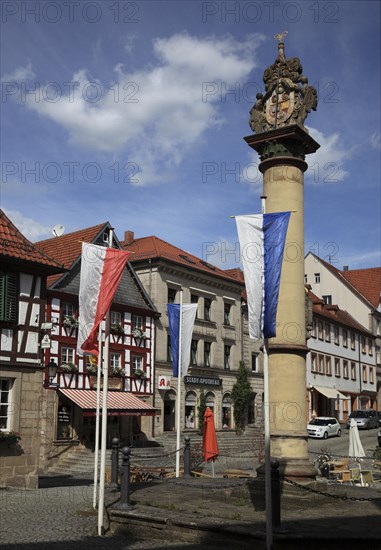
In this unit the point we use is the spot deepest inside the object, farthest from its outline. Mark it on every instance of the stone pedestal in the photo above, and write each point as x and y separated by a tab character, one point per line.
282	153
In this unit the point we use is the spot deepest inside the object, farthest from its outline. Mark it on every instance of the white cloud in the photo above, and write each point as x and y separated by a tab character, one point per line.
326	166
20	74
375	140
157	113
31	229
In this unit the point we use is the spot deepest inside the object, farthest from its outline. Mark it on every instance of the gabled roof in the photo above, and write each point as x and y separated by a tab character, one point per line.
334	314
153	247
68	248
15	247
366	283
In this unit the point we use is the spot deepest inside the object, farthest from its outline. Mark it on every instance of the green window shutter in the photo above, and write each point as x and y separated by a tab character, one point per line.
8	297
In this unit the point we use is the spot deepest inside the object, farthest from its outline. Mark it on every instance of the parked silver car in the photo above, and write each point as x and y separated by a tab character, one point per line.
323	427
364	419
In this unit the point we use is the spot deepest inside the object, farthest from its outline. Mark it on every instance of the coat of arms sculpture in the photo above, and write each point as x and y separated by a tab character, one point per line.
288	98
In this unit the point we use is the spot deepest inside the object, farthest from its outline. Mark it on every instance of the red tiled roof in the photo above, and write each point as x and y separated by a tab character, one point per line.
335	314
364	282
152	247
67	248
367	282
14	245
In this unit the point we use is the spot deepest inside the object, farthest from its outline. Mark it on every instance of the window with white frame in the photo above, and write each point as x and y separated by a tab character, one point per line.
317	277
370	347
137	322
68	309
345	369
327	332
137	362
336	335
363	344
337	367
328	367
313	362
115	317
207	352
321	364
5	403
353	340
67	355
345	338
353	370
320	330
371	375
227	351
327	299
254	365
364	374
115	360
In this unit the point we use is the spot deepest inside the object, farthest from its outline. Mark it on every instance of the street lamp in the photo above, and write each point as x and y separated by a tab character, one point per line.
52	368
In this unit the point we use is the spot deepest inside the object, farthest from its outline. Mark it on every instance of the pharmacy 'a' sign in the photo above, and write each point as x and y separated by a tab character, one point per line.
164	382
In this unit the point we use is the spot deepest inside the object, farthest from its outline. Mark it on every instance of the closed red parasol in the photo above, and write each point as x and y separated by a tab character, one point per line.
209	443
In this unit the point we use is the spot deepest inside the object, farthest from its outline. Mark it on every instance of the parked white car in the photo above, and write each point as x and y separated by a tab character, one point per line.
323	427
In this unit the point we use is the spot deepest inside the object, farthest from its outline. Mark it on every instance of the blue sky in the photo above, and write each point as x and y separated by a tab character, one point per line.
121	112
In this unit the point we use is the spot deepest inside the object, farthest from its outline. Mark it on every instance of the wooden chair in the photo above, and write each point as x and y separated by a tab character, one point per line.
345	477
367	477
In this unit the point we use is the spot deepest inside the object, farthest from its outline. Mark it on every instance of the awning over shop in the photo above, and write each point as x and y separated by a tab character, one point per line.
331	393
118	403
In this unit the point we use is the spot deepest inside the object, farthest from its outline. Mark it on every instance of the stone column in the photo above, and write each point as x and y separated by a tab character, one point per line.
282	153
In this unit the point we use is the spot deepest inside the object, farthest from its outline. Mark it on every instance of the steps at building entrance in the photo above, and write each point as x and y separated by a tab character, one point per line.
240	451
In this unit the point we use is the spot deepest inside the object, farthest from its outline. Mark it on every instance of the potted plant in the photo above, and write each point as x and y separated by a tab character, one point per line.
70	322
117	328
139	373
92	369
9	438
116	371
138	335
69	367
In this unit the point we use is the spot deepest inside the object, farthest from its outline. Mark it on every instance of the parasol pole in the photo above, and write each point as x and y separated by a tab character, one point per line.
269	531
179	373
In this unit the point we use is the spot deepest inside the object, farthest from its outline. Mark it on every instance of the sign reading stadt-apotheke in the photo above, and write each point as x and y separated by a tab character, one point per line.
201	381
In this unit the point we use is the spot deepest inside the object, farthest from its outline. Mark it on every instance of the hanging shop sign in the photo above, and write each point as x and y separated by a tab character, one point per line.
164	382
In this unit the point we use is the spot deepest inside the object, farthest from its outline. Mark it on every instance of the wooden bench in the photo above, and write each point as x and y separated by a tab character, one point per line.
235	473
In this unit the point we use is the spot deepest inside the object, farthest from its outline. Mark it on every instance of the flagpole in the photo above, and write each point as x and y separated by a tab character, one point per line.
102	475
179	373
97	415
269	530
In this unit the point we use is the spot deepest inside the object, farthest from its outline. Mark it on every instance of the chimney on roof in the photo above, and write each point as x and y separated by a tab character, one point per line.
129	237
345	267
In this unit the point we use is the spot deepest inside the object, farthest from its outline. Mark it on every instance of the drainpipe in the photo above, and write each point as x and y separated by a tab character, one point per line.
360	377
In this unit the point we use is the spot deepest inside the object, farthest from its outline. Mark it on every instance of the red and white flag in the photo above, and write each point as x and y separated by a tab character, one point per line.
101	271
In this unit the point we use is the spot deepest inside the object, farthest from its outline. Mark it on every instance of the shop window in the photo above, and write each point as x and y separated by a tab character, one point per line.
8	297
5	403
190	410
64	420
209	400
226	411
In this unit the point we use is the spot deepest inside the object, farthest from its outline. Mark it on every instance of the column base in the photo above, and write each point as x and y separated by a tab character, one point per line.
293	468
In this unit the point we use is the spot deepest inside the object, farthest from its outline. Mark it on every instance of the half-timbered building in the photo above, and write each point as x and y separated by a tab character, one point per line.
131	347
23	273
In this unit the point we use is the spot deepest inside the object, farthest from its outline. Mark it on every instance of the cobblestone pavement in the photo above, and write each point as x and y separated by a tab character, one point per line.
61	518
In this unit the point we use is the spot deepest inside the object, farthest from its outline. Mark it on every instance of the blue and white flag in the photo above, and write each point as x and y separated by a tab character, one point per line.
262	238
188	317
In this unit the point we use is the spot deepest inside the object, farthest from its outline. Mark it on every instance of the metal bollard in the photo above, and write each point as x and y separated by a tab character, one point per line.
187	465
275	493
114	463
124	502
